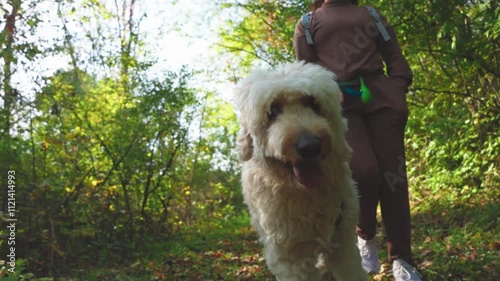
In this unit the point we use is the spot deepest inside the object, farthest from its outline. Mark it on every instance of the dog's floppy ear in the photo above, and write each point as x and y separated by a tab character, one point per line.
244	144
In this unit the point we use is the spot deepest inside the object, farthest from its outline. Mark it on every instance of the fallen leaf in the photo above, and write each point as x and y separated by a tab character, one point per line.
495	245
427	253
425	264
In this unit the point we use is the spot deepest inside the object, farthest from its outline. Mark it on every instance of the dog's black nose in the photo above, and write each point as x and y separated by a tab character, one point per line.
308	146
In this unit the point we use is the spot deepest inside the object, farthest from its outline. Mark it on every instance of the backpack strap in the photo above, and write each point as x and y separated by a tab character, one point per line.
378	22
305	20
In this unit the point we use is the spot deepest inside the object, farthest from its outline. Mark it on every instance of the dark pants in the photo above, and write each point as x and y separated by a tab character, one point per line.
376	135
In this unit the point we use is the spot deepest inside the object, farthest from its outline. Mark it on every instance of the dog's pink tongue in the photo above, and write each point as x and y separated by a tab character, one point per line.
309	175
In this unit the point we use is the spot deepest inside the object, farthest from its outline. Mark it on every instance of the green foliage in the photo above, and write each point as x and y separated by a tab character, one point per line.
90	145
264	33
107	160
452	133
107	165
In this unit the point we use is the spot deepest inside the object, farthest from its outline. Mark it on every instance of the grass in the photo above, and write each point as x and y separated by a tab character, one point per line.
228	252
459	240
453	240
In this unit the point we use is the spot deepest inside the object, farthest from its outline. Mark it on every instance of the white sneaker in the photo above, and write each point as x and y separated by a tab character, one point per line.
369	255
403	271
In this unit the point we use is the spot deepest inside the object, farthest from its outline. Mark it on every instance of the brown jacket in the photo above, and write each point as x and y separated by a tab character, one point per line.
347	42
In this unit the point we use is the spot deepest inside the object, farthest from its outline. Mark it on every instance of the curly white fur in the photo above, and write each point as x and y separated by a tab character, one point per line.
296	224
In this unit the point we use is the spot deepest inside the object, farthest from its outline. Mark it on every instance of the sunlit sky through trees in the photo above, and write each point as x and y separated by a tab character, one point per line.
175	35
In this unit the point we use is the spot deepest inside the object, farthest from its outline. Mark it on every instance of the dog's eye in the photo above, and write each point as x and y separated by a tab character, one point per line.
316	107
274	112
311	102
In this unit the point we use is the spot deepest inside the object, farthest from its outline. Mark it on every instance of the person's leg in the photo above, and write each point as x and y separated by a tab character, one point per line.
387	118
387	133
365	172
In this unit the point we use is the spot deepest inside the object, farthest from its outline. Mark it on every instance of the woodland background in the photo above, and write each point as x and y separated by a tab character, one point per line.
125	167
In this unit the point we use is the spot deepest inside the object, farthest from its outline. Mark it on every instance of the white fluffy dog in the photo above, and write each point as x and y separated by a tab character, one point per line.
296	178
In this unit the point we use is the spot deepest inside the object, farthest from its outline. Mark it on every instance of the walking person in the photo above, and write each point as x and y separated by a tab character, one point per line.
357	43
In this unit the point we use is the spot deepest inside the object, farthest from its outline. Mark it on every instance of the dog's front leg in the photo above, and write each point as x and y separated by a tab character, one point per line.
287	271
286	268
347	264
